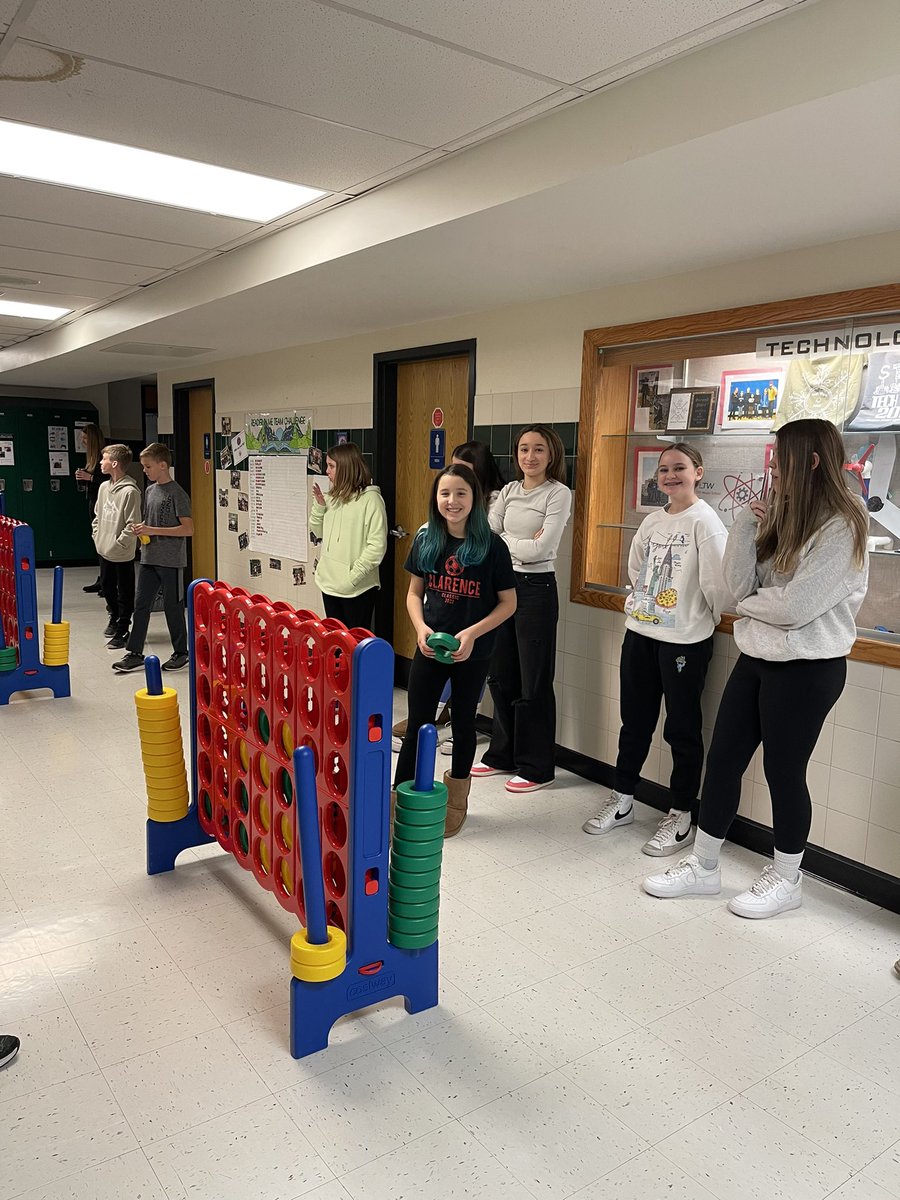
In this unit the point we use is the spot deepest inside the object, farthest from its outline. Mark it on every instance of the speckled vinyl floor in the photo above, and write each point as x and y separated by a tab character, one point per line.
591	1042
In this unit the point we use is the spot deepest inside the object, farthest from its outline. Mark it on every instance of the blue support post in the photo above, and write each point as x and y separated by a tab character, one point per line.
57	595
310	846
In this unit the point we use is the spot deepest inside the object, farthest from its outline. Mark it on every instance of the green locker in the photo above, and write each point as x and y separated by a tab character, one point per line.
39	483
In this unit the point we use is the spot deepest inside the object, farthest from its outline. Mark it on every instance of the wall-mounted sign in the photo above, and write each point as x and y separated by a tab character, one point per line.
830	341
437	449
437	418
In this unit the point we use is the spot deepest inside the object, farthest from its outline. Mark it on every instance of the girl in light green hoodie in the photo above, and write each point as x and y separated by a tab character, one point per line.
352	524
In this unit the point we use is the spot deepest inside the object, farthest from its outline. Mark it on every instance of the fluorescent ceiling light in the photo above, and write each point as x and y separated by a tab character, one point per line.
28	152
35	312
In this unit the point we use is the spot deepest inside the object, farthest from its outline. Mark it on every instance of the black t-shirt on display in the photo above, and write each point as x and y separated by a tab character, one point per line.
457	597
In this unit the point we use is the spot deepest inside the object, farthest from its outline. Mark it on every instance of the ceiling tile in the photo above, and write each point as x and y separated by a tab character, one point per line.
89	243
61	285
14	260
90	210
582	38
130	107
7	11
303	56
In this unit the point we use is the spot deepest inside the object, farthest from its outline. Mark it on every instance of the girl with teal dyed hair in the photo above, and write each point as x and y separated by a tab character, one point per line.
461	583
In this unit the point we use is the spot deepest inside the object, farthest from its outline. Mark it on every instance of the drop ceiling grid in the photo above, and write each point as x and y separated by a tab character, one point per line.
304	56
91	244
20	260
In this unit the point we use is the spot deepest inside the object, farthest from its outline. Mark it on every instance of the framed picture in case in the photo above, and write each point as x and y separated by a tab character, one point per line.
646	496
748	400
692	409
650	390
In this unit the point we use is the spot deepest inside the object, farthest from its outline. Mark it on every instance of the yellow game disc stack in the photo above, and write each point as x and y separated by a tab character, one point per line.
163	755
56	644
316	964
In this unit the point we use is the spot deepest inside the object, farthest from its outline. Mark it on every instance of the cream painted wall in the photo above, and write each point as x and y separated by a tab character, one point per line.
535	350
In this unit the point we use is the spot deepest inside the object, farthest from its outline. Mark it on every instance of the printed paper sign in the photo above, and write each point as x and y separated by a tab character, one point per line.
266	434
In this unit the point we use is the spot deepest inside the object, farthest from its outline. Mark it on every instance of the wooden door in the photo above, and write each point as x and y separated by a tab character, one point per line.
202	483
421	388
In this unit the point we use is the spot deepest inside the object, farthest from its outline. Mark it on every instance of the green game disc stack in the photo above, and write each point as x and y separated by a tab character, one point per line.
8	661
414	883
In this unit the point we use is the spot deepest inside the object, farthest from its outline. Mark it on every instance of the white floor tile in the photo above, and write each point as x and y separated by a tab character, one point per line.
109	964
216	931
651	1087
860	1188
255	1153
470	1061
639	984
27	989
560	1019
568	875
16	939
628	910
58	927
243	983
564	942
52	1051
840	1110
885	1171
129	1175
362	1110
716	954
492	965
167	1091
853	963
872	1047
740	1152
390	1022
649	1176
503	896
552	1136
448	1164
59	1131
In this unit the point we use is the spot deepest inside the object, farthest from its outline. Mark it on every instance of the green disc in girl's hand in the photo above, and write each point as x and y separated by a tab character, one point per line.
442	644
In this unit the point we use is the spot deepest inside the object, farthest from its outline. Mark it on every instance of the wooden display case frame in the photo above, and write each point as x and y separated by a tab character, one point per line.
609	355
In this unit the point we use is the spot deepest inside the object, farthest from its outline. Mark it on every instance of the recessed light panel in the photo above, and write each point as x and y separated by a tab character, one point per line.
45	155
34	312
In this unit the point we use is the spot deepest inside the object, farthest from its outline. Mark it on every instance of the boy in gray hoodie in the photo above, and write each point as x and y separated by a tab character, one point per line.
117	510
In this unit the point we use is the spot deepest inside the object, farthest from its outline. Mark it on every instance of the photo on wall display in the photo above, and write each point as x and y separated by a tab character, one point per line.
236	480
748	400
255	567
243	541
692	410
651	387
647	496
232	523
223	497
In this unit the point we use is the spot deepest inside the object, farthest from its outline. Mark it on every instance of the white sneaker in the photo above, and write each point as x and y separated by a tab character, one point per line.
686	878
609	817
396	745
675	833
447	746
770	895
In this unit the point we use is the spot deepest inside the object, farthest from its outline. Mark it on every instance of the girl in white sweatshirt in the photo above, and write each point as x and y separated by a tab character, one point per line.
798	568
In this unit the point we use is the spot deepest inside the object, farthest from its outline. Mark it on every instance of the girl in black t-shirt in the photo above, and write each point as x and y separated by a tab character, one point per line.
461	583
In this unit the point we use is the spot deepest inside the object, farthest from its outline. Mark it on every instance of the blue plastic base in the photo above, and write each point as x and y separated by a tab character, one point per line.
167	839
412	974
31	679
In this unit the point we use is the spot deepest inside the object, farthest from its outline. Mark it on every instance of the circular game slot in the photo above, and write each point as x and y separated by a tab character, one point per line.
335	825
337	668
204	731
204	770
262	771
220	701
243	797
263	728
333	916
261	682
284	832
286	739
238	626
336	777
335	878
285	877
222	784
201	609
202	647
284	695
338	723
220	741
242	714
283	647
261	855
239	669
206	805
244	755
259	636
219	618
204	691
308	741
285	787
220	662
309	709
310	659
243	841
224	823
263	814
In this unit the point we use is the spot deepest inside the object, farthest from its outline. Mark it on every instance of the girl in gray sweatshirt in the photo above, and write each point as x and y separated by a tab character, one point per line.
798	568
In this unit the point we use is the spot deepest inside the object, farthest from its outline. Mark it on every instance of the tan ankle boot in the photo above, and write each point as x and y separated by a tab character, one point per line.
399	730
457	804
393	808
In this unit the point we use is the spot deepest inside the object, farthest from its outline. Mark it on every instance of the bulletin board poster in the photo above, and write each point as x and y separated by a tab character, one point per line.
278	434
278	506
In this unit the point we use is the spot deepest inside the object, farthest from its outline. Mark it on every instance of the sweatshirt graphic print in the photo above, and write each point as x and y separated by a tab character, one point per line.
655	594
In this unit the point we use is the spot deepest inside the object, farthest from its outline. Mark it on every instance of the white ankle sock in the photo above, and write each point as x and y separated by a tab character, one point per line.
707	849
788	865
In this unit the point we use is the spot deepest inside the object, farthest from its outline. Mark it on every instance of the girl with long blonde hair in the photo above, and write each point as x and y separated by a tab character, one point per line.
90	473
798	568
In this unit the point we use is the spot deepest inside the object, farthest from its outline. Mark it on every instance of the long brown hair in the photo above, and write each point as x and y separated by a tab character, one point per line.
93	441
351	475
808	495
556	468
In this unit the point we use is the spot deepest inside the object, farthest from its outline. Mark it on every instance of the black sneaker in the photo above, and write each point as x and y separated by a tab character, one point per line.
131	662
92	587
119	642
110	630
176	662
9	1048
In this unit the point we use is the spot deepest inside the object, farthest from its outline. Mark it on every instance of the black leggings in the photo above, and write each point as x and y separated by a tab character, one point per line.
784	706
355	611
426	682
